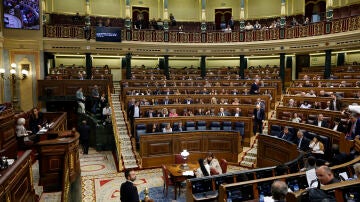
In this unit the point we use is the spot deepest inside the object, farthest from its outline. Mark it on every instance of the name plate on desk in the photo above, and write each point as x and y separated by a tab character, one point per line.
188	173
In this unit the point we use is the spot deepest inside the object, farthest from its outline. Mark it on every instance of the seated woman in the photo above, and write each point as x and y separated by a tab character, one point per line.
316	147
167	128
22	134
296	118
36	120
203	170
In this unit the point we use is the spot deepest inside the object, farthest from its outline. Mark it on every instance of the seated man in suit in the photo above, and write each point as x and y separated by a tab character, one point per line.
179	127
302	142
237	112
320	121
222	112
286	135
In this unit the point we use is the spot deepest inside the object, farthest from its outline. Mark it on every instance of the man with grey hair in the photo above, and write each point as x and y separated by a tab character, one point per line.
259	117
279	189
357	170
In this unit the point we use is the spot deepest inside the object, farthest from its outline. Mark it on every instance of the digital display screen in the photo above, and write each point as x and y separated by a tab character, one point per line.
21	14
241	193
200	186
108	34
265	188
223	180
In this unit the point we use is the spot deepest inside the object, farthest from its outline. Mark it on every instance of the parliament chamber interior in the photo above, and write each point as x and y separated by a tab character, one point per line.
205	100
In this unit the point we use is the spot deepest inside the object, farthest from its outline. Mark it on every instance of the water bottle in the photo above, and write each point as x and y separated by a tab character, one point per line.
296	186
351	198
261	199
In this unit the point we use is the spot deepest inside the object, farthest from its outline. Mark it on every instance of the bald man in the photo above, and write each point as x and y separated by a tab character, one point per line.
325	175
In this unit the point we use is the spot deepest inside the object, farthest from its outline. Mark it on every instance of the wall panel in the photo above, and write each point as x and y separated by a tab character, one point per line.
110	8
185	10
259	9
69	6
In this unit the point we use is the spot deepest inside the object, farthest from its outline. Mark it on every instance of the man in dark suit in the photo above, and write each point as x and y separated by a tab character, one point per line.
150	113
259	117
338	126
188	101
286	135
338	157
128	191
334	103
353	128
167	101
255	87
320	121
179	127
84	131
302	142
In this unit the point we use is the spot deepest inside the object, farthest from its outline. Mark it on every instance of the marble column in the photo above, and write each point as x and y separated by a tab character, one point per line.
203	16
127	15
283	13
329	10
242	14
166	16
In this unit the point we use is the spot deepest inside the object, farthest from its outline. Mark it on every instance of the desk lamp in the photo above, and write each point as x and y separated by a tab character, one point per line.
185	154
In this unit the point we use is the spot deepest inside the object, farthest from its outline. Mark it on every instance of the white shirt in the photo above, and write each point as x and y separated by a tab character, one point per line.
136	111
106	111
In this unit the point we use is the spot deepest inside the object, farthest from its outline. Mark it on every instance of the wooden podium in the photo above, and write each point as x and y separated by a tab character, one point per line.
57	156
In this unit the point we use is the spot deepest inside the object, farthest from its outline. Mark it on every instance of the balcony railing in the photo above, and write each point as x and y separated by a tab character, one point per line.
316	29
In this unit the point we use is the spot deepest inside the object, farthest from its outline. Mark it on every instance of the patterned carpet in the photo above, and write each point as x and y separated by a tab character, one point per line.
101	182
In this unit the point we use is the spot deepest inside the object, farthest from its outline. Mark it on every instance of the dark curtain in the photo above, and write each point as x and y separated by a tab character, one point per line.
128	65
340	59
48	56
288	62
222	16
242	66
166	66
88	61
302	61
203	66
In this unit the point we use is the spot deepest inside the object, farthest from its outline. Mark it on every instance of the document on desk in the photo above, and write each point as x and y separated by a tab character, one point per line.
188	173
311	178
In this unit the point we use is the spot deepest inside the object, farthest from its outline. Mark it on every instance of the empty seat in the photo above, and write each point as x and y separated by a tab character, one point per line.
140	130
223	165
227	126
215	125
190	125
240	127
201	125
275	130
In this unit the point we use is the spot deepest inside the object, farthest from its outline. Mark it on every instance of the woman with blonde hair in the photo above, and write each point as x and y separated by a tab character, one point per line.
316	146
213	100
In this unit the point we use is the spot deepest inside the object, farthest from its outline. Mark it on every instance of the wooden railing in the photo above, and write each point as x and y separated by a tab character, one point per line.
248	123
315	29
157	149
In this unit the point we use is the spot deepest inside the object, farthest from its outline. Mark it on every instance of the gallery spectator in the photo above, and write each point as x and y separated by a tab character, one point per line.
249	26
257	25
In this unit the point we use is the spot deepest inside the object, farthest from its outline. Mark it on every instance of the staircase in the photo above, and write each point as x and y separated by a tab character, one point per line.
248	159
125	147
